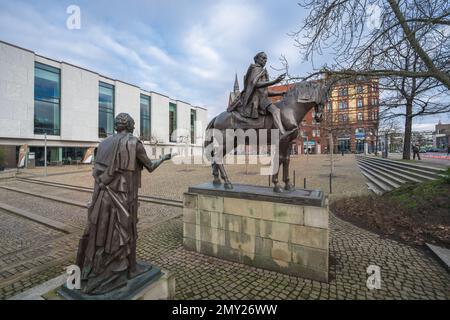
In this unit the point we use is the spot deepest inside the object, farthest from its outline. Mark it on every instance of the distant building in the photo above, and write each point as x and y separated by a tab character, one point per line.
351	115
424	139
75	109
442	135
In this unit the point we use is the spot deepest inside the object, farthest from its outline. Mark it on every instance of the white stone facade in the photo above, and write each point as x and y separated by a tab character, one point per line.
79	111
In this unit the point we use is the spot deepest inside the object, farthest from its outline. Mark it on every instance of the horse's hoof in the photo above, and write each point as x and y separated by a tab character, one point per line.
289	187
228	185
217	182
277	189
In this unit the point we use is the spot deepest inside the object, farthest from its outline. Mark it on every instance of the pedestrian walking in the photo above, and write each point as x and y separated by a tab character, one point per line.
415	149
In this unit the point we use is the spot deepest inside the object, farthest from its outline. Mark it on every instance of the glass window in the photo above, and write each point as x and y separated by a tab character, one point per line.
193	120
172	121
360	116
105	110
330	106
360	102
145	117
343	91
343	105
345	118
47	97
359	89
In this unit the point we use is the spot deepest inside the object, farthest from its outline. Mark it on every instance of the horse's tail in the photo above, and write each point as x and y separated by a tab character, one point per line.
209	126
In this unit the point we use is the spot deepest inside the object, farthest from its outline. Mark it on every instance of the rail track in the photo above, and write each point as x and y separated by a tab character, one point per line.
143	198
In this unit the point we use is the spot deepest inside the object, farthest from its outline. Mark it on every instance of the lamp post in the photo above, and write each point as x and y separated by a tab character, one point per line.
45	154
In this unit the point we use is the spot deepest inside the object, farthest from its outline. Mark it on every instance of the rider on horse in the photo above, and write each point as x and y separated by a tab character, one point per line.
254	99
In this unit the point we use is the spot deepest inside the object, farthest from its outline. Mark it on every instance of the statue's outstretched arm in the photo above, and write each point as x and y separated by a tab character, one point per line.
263	84
142	157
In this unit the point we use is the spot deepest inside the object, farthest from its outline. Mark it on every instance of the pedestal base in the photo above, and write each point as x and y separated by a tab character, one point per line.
132	287
287	232
160	287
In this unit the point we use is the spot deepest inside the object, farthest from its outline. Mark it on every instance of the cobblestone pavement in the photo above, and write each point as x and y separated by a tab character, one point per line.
406	272
18	234
32	253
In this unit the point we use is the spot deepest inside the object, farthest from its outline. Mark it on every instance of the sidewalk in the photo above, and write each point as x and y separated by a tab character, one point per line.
433	159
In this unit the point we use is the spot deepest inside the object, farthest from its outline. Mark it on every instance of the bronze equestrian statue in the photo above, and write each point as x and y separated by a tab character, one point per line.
107	249
248	112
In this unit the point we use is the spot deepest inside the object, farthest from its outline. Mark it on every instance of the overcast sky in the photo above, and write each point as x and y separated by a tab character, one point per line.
188	50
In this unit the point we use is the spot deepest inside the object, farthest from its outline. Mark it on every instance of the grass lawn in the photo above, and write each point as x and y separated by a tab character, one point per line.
414	213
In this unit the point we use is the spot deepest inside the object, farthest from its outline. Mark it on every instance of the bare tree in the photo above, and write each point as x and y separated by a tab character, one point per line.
360	34
410	97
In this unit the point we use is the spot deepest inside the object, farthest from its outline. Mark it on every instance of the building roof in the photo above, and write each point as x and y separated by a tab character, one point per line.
100	75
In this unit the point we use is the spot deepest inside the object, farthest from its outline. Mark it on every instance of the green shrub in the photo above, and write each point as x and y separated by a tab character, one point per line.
446	176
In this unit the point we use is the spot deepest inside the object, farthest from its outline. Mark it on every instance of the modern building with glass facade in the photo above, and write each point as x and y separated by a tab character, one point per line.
73	109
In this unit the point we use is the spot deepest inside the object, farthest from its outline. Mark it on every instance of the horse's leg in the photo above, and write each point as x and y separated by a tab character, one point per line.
276	186
287	184
223	173
285	159
215	172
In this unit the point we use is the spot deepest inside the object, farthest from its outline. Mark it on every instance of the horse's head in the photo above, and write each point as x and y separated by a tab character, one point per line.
312	93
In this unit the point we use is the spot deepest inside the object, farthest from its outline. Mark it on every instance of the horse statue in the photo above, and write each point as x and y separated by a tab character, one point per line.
295	104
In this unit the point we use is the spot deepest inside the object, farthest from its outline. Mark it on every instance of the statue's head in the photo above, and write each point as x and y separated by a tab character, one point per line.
123	122
260	58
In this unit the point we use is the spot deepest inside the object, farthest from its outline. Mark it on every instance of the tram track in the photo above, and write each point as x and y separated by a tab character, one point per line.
143	198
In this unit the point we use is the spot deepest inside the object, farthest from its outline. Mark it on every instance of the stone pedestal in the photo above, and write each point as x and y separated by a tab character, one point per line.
162	288
287	232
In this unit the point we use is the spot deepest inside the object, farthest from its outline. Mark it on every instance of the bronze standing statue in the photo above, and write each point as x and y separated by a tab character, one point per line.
107	249
248	111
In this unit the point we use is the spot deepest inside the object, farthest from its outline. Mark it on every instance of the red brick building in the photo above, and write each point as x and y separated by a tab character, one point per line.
350	116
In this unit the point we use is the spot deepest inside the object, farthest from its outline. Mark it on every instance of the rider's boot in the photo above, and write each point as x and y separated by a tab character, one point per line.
277	121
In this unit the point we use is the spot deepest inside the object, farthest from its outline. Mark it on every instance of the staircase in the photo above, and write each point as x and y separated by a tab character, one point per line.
384	175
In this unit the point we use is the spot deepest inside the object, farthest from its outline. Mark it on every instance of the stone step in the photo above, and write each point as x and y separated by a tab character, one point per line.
405	171
374	188
380	177
421	169
383	172
391	171
379	184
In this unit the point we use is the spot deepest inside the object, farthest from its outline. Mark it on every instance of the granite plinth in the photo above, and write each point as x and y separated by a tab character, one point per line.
127	292
286	232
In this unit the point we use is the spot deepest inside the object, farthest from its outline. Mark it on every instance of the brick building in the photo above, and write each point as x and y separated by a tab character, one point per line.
351	116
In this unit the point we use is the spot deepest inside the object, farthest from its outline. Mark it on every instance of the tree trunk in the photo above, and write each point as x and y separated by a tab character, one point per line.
408	132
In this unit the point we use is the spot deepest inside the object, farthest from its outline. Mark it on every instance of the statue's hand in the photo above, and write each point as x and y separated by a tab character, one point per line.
166	157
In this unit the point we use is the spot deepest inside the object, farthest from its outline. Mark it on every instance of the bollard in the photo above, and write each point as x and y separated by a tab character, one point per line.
304	183
269	180
331	189
294	178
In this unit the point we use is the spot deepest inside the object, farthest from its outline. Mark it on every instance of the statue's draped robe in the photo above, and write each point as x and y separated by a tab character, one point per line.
255	100
107	249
